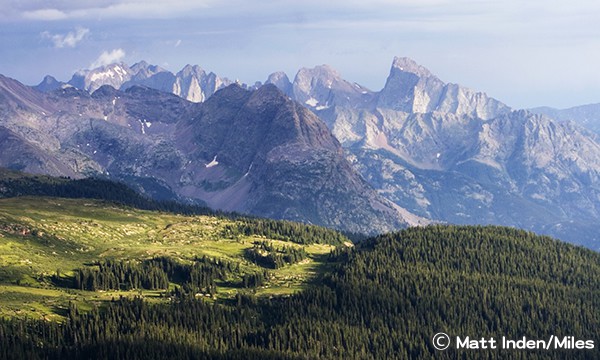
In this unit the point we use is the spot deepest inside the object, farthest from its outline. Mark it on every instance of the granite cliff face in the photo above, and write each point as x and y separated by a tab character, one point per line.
452	154
323	87
249	151
411	88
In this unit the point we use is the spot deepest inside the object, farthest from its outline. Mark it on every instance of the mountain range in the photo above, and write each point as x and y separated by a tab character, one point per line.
452	154
248	151
191	83
432	151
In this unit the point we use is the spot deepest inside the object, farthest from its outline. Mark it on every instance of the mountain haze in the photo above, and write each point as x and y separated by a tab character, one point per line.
587	116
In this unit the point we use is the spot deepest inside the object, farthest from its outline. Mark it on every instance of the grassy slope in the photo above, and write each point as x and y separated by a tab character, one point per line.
39	236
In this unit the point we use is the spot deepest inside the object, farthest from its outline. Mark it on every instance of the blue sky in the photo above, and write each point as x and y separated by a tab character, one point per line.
525	53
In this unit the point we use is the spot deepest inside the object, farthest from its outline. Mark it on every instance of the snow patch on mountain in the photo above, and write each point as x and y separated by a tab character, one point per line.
312	102
214	162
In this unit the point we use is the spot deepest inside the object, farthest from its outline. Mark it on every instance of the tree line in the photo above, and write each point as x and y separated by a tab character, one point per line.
286	230
267	255
158	273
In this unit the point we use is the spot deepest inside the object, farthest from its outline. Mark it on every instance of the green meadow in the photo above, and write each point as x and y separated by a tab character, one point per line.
44	240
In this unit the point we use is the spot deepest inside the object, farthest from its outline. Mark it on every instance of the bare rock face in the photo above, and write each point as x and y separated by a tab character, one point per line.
114	75
323	87
17	153
194	84
452	154
412	88
49	83
281	80
250	151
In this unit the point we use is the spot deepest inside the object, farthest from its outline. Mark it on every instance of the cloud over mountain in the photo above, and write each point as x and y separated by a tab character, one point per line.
70	39
109	57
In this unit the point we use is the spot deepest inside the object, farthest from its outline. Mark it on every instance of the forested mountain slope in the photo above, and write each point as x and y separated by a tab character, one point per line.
384	299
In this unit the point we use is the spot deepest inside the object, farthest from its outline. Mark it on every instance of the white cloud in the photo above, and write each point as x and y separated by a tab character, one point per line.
70	39
127	9
108	57
45	14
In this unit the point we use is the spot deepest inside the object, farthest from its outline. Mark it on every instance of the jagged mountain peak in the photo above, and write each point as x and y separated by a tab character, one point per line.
306	79
277	76
323	87
144	70
143	65
282	81
191	83
115	74
49	83
109	70
408	65
411	88
324	72
189	70
271	119
49	79
439	150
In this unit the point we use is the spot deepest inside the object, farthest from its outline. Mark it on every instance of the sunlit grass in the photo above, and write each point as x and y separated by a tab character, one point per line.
40	237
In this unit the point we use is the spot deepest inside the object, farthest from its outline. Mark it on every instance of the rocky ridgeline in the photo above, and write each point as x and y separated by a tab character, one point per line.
438	150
